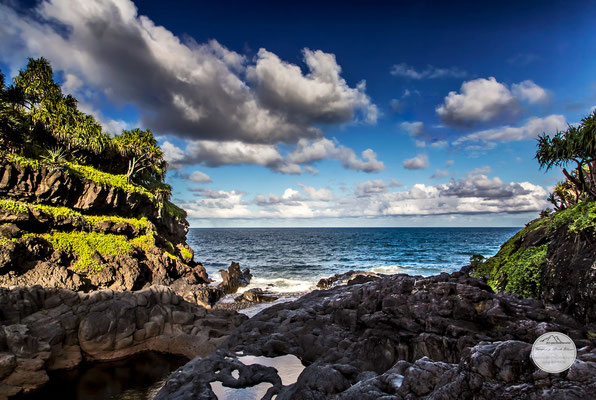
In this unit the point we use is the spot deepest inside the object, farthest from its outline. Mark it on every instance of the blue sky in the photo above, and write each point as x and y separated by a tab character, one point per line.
335	114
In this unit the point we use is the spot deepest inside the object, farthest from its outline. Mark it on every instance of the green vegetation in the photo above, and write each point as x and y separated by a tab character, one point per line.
16	207
104	178
575	146
39	123
517	267
184	252
89	248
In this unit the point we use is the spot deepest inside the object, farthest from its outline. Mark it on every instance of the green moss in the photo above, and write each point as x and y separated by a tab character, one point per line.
56	211
141	224
522	273
518	269
23	161
138	223
104	178
173	257
15	207
173	210
184	252
145	242
86	245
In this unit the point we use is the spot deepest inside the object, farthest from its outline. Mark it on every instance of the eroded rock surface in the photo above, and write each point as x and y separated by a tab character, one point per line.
49	329
401	337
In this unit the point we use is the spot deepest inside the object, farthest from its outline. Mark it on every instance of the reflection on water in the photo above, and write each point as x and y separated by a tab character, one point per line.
136	378
288	367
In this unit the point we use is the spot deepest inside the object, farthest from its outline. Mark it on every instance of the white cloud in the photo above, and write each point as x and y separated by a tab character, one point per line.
414	129
530	92
323	149
317	194
199	177
483	100
431	72
369	188
439	144
449	163
418	162
420	143
531	129
480	100
321	96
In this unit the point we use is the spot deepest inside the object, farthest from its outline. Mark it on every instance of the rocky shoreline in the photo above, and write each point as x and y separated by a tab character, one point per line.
399	337
51	329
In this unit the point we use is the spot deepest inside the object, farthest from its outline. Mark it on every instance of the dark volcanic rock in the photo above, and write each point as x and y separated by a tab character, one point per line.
255	295
234	278
573	288
405	337
350	277
49	329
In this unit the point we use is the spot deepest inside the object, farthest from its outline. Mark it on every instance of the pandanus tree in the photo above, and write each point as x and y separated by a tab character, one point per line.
145	158
15	125
57	114
574	147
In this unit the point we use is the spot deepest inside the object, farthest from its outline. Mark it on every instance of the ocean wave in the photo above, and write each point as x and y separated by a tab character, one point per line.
280	285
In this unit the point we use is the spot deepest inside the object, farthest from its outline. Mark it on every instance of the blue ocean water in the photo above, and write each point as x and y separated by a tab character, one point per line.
294	259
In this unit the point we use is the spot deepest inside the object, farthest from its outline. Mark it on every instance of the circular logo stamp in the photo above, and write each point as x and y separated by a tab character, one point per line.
553	352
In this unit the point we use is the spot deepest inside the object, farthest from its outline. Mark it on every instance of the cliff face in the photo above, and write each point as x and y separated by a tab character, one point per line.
76	227
552	258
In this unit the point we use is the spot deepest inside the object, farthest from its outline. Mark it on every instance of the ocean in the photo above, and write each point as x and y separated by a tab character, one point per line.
292	260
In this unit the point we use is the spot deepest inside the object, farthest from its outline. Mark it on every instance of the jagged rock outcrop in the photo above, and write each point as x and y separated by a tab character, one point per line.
401	337
234	278
552	258
61	186
62	226
48	329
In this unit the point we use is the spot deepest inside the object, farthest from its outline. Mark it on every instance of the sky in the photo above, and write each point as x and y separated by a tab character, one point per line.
404	113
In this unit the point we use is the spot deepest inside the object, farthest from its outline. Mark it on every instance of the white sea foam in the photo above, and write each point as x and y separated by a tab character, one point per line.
280	285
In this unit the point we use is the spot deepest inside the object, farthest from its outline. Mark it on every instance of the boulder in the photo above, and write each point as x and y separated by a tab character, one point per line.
234	278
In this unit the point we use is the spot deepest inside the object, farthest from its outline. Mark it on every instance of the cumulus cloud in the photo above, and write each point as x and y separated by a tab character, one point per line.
369	188
480	100
483	100
405	71
312	193
530	92
484	187
321	149
418	162
321	96
201	92
199	177
531	129
215	154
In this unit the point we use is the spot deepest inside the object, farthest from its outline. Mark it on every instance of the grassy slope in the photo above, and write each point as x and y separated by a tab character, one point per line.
518	266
